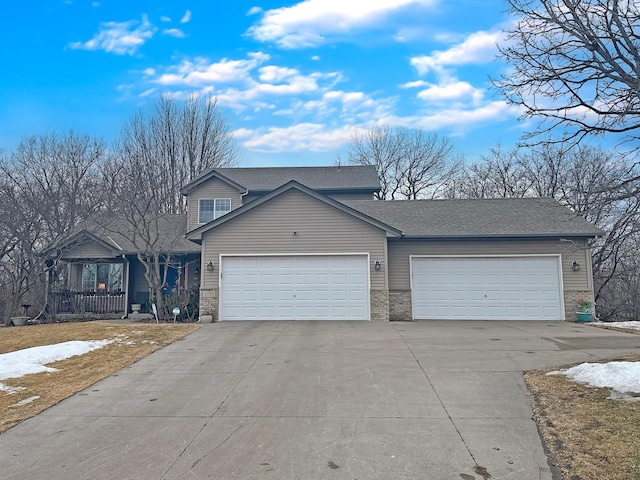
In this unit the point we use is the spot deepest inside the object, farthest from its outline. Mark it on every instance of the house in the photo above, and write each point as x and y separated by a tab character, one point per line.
98	271
311	243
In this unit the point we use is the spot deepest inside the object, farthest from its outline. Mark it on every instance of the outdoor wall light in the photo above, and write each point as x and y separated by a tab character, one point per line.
210	266
377	265
576	266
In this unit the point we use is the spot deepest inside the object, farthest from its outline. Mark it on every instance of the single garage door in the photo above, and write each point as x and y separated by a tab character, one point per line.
295	287
487	288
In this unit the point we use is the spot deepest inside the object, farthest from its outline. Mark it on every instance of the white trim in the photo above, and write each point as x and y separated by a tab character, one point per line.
509	255
361	254
215	201
495	255
292	254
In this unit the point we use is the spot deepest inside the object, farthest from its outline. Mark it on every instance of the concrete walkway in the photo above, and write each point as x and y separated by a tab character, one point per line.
313	400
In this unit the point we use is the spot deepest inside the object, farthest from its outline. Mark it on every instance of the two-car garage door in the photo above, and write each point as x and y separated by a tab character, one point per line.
294	287
487	288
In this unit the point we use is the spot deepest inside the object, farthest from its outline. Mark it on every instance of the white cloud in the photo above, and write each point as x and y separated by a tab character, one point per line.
450	91
313	137
318	137
165	19
309	22
186	17
242	84
120	38
416	84
254	11
479	47
458	120
200	73
174	32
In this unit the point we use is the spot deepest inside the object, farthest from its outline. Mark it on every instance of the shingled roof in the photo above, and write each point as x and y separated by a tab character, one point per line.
261	179
478	218
117	234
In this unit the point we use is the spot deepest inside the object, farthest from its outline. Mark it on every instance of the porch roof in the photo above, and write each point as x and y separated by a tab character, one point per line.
117	236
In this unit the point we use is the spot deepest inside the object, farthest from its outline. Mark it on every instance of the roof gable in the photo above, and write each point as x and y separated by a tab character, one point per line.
337	178
196	235
207	175
68	244
119	236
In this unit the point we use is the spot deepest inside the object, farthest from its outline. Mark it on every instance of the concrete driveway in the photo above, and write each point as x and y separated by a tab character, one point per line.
313	400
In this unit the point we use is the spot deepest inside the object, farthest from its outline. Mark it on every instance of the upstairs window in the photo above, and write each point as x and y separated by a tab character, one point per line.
211	208
222	206
205	210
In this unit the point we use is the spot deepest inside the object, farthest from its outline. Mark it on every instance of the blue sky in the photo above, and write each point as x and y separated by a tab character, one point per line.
295	80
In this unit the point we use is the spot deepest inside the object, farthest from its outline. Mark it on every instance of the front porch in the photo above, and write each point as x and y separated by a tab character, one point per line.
81	303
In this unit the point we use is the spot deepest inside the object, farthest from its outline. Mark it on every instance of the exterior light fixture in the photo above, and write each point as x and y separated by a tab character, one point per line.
575	266
377	265
210	266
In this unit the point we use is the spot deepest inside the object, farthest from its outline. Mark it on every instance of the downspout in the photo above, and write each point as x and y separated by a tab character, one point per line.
242	196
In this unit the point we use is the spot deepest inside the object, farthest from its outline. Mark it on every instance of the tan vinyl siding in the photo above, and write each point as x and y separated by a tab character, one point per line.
318	227
400	249
212	188
88	249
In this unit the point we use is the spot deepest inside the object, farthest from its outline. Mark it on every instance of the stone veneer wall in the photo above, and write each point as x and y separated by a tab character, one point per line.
379	306
571	302
209	303
400	305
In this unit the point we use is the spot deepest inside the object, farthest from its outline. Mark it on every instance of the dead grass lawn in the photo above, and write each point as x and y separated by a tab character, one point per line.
133	342
589	436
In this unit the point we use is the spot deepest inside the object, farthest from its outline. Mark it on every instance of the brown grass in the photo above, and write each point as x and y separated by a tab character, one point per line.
77	373
589	436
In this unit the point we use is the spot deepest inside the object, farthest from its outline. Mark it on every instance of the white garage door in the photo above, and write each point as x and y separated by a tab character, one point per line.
488	288
310	287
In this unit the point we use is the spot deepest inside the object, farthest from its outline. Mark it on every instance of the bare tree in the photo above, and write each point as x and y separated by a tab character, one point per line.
499	174
181	140
154	158
575	66
48	185
411	163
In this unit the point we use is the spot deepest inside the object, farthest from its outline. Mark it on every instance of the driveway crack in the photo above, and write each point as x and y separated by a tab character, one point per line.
426	376
164	475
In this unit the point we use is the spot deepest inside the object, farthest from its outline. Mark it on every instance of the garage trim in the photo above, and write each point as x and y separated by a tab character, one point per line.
366	255
542	255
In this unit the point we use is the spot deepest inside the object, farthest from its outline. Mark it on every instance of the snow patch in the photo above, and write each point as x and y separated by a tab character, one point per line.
630	325
10	390
26	401
622	377
33	360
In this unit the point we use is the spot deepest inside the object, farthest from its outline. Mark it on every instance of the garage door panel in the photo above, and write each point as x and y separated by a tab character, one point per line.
491	288
296	287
